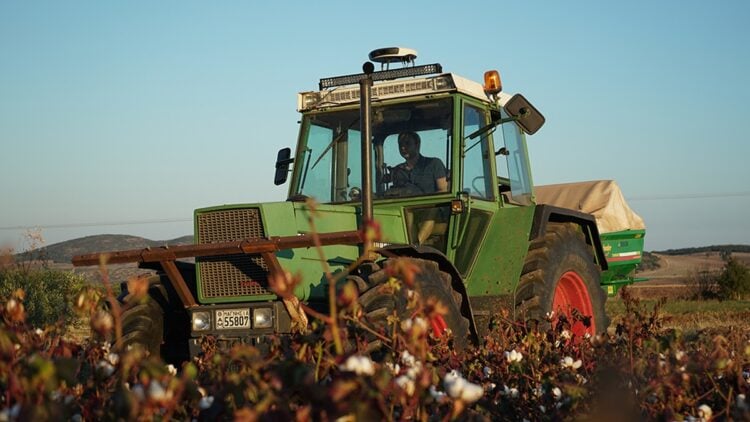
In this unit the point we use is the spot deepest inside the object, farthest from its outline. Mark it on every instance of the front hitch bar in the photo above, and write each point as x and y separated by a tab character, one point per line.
166	255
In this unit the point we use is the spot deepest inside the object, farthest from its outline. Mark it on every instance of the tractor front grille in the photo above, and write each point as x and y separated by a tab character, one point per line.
231	275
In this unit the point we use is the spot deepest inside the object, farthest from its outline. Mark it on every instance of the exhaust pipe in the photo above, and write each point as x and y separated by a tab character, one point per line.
365	96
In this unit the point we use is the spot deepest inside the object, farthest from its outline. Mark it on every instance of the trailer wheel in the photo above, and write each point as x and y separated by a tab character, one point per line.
560	276
378	301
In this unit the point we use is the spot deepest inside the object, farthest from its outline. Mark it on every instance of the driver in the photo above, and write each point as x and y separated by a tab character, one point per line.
419	173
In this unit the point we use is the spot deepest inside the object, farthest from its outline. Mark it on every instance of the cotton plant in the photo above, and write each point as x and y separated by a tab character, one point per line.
513	356
413	367
569	363
457	387
360	365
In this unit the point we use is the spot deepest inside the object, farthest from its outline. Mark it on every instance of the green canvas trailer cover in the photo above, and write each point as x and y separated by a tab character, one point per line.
620	228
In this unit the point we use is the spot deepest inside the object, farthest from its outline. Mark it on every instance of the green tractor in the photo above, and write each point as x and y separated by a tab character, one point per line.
438	165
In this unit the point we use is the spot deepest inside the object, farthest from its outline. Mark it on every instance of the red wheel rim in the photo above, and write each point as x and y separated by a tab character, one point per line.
438	325
571	293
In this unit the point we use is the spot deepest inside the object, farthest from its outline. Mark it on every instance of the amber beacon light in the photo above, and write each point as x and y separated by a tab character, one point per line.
492	83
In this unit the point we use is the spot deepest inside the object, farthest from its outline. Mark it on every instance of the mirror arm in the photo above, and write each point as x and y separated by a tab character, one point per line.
484	129
286	162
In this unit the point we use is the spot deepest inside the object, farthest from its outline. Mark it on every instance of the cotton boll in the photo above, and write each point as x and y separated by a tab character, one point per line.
360	365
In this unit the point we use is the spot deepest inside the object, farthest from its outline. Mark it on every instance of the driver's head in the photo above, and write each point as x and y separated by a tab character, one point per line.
408	145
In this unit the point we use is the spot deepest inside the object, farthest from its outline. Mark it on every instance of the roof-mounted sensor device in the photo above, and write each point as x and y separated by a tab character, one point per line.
386	56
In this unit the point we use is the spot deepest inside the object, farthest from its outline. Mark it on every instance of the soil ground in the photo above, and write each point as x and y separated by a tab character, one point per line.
678	274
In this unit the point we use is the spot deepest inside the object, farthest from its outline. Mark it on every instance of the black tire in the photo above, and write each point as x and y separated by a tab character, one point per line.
159	322
561	262
142	322
378	301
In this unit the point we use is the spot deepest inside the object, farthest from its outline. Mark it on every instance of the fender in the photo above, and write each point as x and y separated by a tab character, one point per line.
544	214
457	282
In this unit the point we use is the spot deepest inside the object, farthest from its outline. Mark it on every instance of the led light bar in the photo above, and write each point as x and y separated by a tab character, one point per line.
382	75
381	91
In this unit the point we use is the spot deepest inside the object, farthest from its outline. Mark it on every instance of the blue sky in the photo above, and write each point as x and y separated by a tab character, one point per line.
142	111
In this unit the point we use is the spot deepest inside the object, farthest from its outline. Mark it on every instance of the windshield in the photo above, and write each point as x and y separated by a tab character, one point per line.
411	152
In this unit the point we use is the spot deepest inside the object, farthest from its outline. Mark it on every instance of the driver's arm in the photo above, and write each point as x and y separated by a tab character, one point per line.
442	184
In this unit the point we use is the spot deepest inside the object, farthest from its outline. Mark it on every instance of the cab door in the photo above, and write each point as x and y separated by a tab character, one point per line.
478	187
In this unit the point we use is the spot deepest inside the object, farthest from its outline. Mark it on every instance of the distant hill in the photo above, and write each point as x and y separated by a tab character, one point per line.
652	260
63	252
702	249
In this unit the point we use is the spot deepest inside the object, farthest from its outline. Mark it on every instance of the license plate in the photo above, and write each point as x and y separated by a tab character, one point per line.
230	319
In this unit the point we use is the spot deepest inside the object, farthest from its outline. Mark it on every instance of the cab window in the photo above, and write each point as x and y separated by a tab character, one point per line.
512	164
476	167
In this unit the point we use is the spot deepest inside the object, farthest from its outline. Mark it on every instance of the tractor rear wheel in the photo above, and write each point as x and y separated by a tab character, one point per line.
561	277
378	301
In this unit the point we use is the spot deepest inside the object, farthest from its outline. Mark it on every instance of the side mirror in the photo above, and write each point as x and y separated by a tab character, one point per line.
282	165
525	114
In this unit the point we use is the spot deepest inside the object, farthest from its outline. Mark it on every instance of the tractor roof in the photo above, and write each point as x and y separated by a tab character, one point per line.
400	88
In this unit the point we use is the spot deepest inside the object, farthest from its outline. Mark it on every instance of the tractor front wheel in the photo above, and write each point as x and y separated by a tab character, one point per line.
158	322
142	323
378	300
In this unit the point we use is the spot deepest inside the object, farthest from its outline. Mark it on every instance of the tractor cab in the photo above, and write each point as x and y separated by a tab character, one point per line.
440	143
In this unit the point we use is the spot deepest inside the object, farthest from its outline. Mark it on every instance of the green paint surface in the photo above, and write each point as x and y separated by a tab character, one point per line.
623	250
500	257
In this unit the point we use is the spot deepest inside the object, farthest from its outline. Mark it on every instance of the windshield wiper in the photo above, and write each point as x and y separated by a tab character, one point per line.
334	140
491	126
485	129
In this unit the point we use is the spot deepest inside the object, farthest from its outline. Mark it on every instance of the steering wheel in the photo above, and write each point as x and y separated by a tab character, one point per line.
355	193
398	176
474	187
